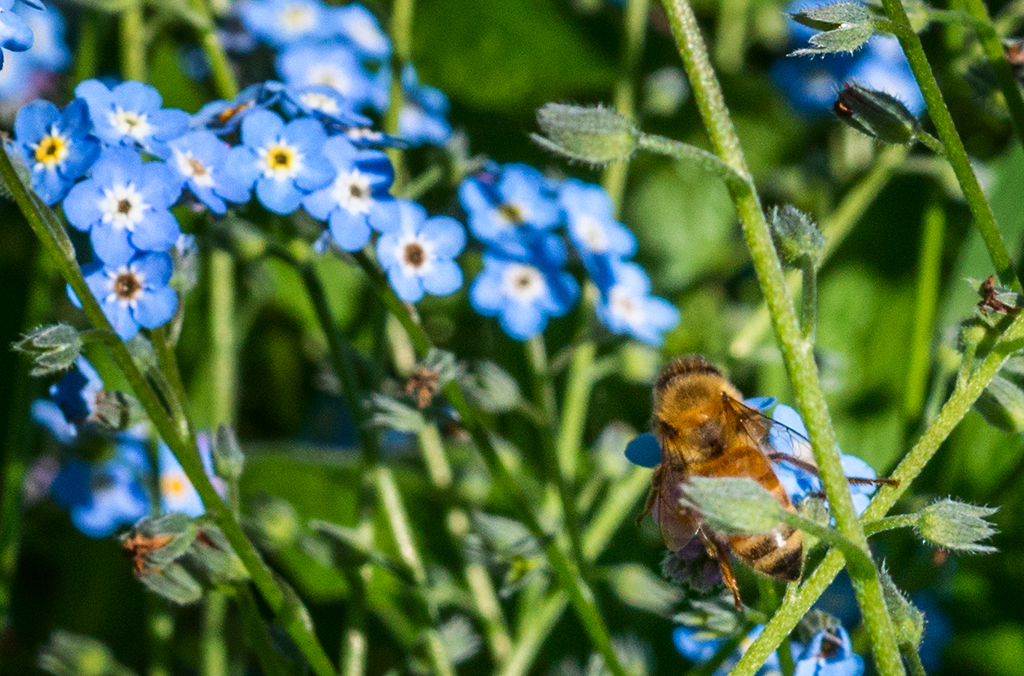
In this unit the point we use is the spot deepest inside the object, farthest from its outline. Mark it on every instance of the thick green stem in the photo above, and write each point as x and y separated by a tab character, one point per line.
929	276
214	647
635	31
795	606
401	46
223	352
574	411
797	352
220	65
133	43
954	147
809	300
913	660
57	246
993	48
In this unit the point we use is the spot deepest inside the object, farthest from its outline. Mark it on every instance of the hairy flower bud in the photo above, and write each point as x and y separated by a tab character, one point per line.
907	620
52	348
69	654
957	526
594	135
876	114
797	237
228	459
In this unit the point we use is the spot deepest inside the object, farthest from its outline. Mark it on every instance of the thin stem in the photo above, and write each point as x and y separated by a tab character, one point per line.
993	48
214	647
133	43
220	66
933	144
891	523
913	660
797	352
684	152
578	387
856	558
954	147
634	19
929	275
223	357
87	50
59	249
834	228
809	300
270	661
796	605
401	42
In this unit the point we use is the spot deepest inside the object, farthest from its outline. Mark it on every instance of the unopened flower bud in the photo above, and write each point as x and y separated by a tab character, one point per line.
594	135
907	620
275	523
1002	404
797	237
174	583
69	654
957	526
213	553
52	348
228	459
876	114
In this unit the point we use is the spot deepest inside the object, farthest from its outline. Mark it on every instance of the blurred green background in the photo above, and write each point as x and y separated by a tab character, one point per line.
499	60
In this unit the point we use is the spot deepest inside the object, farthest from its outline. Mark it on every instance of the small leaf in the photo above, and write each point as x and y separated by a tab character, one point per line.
848	38
389	413
733	505
830	17
638	587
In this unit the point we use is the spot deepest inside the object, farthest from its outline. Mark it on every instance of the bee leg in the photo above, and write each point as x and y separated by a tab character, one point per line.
811	469
719	551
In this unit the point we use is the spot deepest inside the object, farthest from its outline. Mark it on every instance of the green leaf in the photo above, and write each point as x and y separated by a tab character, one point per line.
849	38
830	17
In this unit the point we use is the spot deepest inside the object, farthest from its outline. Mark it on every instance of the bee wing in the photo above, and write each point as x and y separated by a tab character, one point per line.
771	436
677	524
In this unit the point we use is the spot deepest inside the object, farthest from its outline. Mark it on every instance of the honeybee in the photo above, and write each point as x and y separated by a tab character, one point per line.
705	429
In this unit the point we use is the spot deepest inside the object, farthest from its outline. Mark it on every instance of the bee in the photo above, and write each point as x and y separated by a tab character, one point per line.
705	429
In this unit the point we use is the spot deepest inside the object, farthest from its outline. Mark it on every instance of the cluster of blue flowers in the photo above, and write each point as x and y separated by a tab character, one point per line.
515	211
35	37
345	50
826	654
812	84
103	495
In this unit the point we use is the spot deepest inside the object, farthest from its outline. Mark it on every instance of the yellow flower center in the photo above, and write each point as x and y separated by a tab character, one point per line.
172	485
51	151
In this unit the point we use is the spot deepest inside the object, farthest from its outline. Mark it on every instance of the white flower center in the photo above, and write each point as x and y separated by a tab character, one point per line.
281	160
523	283
590	233
364	33
357	134
329	74
626	307
123	206
125	286
351	191
297	19
189	166
130	123
174	484
322	102
415	254
52	149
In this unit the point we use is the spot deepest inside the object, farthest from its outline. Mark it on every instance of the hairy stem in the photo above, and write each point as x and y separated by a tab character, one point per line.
929	276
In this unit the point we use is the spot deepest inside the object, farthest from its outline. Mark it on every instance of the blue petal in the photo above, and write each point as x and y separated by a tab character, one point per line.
317	172
156	268
155	308
407	287
644	450
446	234
82	205
111	244
260	128
522	321
445	278
350	231
15	34
281	197
136	96
158	232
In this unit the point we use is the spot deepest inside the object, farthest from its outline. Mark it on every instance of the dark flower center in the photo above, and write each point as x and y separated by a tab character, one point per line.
415	255
50	147
829	646
198	168
127	285
523	281
356	191
124	206
281	159
511	213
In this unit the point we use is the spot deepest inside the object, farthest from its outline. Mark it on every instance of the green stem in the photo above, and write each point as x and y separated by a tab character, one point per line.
913	660
796	605
160	625
834	228
635	31
354	646
929	275
856	558
731	36
401	42
809	300
87	50
954	147
993	48
57	246
214	647
684	152
797	352
223	352
220	66
268	657
574	412
133	43
891	523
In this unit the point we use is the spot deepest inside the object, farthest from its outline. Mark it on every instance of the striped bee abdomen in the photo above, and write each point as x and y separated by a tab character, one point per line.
778	553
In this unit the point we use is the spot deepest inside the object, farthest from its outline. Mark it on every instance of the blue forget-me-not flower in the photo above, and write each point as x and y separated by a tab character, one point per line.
73	401
49	50
224	117
125	206
57	146
284	161
358	198
627	306
324	103
102	496
507	204
698	645
419	255
597	236
135	294
177	494
332	65
130	114
282	22
424	115
15	33
357	26
200	158
525	291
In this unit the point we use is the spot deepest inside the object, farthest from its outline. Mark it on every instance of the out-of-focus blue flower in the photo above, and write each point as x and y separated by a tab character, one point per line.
130	114
508	205
324	103
799	483
812	84
419	255
598	237
282	22
366	137
49	50
828	655
125	206
699	645
524	292
224	117
938	629
284	161
358	198
359	27
424	115
629	308
177	494
644	450
15	33
101	496
200	158
135	294
73	401
883	66
20	81
56	145
332	65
